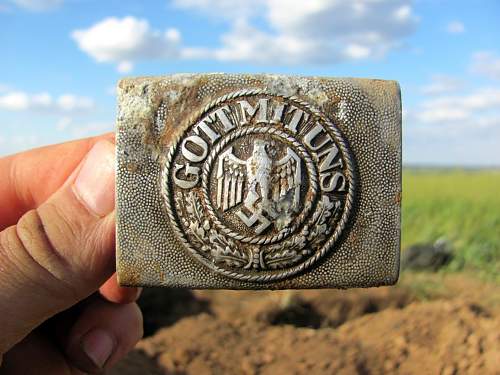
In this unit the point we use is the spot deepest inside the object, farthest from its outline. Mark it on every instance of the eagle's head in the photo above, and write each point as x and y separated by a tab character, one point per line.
262	148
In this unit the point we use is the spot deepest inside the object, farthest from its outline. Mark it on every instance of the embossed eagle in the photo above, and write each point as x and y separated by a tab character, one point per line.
272	186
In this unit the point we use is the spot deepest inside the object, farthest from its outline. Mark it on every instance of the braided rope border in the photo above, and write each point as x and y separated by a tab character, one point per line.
311	169
349	201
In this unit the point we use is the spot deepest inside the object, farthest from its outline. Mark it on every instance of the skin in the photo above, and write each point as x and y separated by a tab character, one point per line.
58	291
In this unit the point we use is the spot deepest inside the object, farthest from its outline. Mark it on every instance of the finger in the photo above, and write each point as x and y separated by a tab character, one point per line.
37	352
29	178
118	294
103	334
60	252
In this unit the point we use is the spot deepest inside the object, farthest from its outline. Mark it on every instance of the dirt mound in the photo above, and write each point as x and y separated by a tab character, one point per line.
203	345
375	331
306	308
439	337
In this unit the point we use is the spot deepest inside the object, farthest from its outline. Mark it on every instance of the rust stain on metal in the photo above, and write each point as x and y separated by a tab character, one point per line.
258	181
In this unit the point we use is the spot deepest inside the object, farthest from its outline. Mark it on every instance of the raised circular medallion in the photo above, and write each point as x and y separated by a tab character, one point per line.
259	186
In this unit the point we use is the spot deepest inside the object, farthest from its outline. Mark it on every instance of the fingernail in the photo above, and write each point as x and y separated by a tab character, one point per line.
95	183
139	292
98	345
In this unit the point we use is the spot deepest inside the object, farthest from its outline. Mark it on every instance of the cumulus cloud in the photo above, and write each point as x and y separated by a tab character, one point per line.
441	84
67	103
455	27
315	31
293	31
222	8
479	109
453	126
125	67
38	5
126	40
459	129
486	63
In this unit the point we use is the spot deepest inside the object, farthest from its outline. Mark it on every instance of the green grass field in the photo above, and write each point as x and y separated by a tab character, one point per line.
462	206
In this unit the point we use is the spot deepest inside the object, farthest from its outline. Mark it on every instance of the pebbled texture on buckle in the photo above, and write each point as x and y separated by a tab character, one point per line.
258	182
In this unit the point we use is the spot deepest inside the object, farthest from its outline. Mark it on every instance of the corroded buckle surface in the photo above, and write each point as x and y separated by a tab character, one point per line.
251	182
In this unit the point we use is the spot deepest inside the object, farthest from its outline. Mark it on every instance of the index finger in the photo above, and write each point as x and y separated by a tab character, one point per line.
27	179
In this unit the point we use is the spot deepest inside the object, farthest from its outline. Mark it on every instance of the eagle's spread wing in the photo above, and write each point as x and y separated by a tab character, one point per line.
231	172
287	179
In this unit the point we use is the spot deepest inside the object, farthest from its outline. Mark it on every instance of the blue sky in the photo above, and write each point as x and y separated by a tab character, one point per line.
60	60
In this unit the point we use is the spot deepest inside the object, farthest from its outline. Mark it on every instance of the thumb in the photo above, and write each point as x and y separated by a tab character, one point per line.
61	252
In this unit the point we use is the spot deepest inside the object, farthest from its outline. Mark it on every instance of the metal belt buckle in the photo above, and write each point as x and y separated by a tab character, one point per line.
258	182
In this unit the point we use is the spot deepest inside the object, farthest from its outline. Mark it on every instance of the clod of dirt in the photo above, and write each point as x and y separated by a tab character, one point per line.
163	307
427	256
299	314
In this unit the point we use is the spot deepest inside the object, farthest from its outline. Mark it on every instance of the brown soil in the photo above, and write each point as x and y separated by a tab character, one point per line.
427	325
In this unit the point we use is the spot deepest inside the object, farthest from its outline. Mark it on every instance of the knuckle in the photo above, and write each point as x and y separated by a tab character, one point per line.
34	236
58	227
36	244
9	256
31	231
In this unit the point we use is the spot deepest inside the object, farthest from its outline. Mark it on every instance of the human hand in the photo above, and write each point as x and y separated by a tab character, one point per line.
58	313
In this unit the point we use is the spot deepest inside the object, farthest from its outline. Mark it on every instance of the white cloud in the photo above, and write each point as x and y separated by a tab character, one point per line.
455	129
473	108
486	63
246	43
38	5
356	51
67	103
222	8
126	40
125	67
441	84
435	114
455	27
320	31
14	101
454	121
294	31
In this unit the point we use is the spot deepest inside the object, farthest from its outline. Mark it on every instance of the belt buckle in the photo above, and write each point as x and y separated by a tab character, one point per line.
258	182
